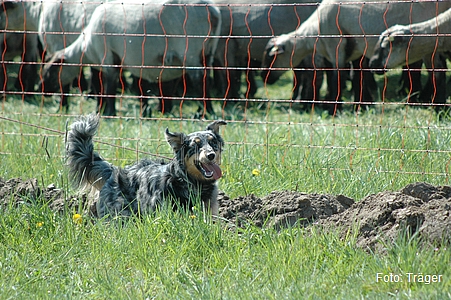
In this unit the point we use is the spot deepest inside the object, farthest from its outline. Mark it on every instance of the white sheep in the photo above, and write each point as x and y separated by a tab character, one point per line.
342	32
247	26
407	44
423	42
154	41
56	23
61	22
15	42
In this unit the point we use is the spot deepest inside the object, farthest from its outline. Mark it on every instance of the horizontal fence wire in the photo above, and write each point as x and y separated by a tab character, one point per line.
178	62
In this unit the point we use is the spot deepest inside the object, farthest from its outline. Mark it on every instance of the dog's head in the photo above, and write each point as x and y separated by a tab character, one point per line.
200	151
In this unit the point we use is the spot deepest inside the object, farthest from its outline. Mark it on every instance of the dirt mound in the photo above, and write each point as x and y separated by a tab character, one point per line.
282	208
419	208
16	191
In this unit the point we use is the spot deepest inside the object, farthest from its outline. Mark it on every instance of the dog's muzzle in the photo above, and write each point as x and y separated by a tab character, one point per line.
210	169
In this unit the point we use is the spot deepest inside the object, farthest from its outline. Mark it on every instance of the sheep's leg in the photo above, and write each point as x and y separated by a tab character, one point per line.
335	92
363	83
168	90
3	77
200	90
232	91
207	104
336	57
410	82
28	71
234	83
440	79
307	83
96	76
218	82
108	86
144	87
64	104
435	88
233	75
302	90
298	81
108	106
334	86
251	85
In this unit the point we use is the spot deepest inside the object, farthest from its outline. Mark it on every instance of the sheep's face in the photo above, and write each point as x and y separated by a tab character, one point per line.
276	59
391	49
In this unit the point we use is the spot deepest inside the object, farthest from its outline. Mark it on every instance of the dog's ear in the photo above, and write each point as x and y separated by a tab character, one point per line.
215	126
175	139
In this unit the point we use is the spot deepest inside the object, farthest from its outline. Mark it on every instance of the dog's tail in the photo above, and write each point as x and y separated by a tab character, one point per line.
86	167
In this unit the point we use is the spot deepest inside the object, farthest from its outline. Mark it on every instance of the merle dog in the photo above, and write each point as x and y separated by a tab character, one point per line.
139	188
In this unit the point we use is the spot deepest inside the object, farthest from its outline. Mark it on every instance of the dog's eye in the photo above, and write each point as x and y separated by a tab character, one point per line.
196	141
213	143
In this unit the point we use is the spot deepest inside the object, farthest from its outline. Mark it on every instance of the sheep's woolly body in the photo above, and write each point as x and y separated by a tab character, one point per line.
133	35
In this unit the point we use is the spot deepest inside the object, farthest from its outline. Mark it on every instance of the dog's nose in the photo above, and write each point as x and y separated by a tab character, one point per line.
211	156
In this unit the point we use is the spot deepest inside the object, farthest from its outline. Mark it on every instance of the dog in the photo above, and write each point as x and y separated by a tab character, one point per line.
140	188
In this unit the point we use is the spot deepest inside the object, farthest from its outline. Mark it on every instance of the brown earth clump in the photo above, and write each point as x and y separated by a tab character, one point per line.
417	209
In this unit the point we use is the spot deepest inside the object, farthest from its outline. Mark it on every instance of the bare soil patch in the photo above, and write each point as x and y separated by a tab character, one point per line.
419	208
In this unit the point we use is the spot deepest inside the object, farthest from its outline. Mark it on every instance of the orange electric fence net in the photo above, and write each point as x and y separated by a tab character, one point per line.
353	79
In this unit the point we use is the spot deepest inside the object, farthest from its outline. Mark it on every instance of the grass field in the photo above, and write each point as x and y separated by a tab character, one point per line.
176	256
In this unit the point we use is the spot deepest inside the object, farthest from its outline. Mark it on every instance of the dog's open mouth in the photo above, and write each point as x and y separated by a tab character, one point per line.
210	170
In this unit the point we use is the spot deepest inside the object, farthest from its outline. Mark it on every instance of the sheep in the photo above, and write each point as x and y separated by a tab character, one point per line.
341	32
407	44
154	41
63	20
411	44
58	24
247	26
71	18
61	23
16	43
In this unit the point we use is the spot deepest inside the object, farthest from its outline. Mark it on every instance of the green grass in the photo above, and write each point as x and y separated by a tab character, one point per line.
174	256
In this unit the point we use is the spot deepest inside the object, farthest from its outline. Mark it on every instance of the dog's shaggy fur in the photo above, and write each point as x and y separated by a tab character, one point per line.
140	188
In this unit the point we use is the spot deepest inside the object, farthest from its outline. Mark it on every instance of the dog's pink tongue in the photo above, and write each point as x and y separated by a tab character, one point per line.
217	173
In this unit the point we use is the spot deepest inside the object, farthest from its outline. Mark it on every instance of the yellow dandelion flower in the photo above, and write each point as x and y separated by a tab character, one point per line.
192	216
256	172
39	224
77	218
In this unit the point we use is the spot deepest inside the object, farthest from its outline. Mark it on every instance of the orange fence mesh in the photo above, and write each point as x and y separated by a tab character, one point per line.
227	77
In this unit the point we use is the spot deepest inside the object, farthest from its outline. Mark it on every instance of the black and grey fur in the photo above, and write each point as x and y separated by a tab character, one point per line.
141	187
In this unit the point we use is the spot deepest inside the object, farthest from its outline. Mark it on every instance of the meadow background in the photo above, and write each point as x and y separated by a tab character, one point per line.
176	255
